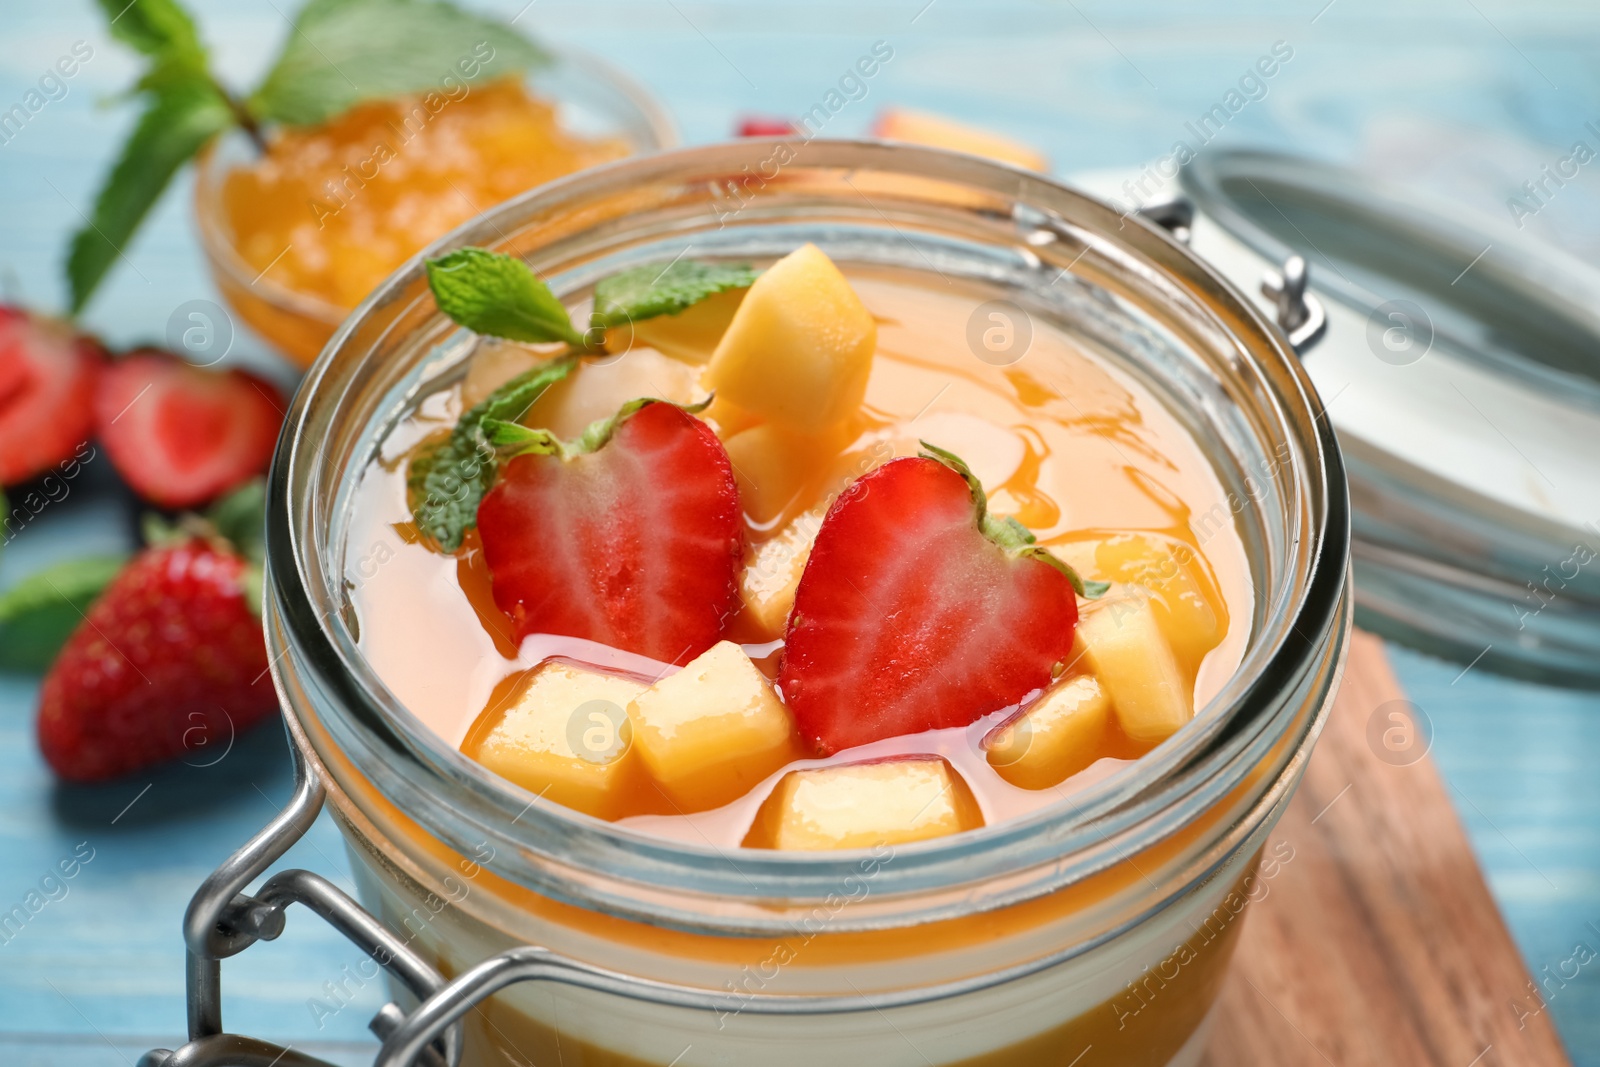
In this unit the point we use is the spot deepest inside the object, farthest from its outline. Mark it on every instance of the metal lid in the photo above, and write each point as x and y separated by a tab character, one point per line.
1461	369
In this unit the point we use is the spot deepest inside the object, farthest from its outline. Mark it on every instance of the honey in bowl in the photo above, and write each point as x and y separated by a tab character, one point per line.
846	404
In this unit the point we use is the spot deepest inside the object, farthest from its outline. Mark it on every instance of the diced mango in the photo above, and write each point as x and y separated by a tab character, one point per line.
1185	604
710	732
1059	735
936	131
690	336
799	349
859	805
1125	648
597	388
564	734
774	464
495	362
772	572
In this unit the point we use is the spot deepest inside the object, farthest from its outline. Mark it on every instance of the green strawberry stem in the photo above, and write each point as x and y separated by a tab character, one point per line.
1006	531
518	439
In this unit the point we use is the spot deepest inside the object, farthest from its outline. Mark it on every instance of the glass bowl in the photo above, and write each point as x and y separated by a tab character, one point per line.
593	98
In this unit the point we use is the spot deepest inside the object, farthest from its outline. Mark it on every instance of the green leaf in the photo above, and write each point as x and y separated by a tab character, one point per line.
160	29
39	613
1006	531
647	292
448	480
180	118
241	518
498	295
341	52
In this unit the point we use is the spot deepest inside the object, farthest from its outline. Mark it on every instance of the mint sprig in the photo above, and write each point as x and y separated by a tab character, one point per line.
39	613
447	482
649	291
182	113
498	295
337	54
1006	531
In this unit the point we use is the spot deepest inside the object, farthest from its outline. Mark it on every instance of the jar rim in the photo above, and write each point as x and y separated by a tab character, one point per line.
563	854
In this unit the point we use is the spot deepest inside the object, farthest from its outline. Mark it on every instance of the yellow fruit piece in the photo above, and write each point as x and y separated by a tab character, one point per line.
1187	607
936	131
860	805
597	388
494	363
799	349
773	465
564	734
772	572
710	732
1059	735
1125	648
690	336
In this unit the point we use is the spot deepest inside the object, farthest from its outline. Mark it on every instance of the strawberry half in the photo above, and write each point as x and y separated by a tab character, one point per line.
917	610
47	386
631	536
170	659
181	435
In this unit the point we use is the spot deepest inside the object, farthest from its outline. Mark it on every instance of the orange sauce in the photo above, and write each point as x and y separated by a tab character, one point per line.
1079	451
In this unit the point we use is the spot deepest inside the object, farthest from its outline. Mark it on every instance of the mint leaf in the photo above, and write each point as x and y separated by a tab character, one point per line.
341	52
38	614
180	118
647	292
448	480
498	295
241	518
160	29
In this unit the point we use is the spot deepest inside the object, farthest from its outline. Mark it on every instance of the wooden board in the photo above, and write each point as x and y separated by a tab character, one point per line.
1378	942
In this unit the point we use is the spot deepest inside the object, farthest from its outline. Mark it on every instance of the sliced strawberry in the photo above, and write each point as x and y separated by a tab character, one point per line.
181	435
47	385
169	660
632	536
917	610
756	126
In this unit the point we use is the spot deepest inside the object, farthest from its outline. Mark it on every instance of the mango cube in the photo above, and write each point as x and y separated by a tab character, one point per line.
1130	656
799	349
691	335
860	805
595	389
772	573
920	127
1059	735
774	464
1185	605
564	734
710	732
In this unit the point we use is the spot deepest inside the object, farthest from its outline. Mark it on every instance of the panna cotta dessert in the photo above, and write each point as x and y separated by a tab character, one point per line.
771	558
865	605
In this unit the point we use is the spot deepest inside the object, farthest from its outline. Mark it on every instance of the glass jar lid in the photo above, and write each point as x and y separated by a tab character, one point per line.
1461	370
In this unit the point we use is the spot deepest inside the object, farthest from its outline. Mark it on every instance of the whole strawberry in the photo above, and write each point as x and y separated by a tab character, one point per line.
169	660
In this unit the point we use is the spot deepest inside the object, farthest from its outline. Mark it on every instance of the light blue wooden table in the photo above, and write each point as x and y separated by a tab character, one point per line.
1462	98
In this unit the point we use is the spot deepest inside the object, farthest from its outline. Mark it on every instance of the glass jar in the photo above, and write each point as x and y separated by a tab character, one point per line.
594	100
1097	928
